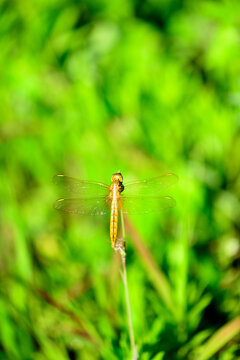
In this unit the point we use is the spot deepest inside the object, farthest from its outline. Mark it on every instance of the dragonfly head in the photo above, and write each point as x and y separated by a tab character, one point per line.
117	177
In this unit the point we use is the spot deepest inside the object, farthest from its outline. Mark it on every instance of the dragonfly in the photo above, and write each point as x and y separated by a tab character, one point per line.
96	198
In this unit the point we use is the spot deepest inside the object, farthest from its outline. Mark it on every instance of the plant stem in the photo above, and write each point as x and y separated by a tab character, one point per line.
120	246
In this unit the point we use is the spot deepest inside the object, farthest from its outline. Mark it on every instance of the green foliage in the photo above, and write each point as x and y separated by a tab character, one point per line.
91	87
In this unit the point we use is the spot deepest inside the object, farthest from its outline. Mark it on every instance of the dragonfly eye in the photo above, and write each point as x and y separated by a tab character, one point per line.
117	177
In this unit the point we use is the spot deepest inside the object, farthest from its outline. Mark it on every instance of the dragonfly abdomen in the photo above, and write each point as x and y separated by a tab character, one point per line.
114	222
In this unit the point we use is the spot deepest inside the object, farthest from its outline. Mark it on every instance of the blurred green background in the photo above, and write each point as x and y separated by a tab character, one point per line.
147	87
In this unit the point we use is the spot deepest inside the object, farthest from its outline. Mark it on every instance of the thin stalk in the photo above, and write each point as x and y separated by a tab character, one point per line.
120	246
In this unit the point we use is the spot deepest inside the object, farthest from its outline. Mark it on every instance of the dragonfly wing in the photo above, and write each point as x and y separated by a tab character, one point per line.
146	204
82	187
83	206
153	186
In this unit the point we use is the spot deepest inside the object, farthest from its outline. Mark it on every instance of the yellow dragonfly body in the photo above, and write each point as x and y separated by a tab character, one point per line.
95	198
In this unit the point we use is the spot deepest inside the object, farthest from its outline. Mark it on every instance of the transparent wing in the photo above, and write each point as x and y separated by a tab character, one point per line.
84	206
153	186
82	187
145	204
